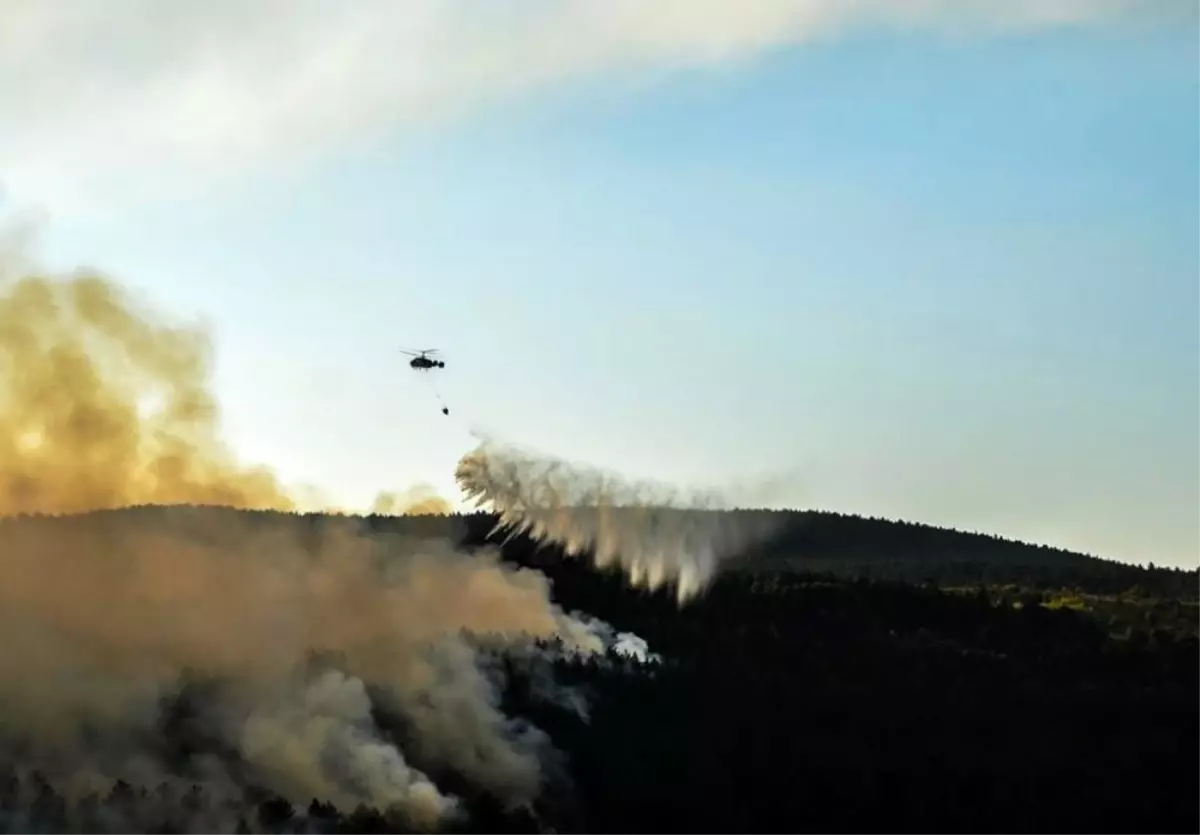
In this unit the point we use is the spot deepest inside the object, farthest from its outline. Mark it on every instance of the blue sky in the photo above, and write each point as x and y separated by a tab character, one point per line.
945	277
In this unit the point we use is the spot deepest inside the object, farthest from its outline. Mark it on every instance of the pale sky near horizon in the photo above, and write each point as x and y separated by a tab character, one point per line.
933	260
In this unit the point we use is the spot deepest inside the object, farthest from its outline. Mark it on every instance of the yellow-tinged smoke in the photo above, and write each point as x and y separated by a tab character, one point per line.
658	534
103	405
416	501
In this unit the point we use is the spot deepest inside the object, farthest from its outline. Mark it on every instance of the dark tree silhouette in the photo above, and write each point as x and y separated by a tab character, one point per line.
852	675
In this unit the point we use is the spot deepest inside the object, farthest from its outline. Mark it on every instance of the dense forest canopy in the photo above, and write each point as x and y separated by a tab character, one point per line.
893	690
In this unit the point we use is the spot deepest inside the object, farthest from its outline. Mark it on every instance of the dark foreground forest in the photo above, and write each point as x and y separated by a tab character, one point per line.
852	675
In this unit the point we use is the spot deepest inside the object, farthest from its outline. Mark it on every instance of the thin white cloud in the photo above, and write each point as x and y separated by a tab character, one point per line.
107	99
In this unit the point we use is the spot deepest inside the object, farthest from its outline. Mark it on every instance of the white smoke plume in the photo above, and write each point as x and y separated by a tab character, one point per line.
624	644
658	534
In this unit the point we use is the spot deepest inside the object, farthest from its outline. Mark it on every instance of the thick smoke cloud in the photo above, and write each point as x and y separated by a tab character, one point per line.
658	534
103	404
104	613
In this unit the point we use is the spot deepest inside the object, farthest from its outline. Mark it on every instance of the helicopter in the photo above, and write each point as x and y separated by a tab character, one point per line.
422	361
426	361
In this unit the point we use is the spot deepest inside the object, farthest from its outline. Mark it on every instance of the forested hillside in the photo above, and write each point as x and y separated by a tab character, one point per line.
782	700
854	546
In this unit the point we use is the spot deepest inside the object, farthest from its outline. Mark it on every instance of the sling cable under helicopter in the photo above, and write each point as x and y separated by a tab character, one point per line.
427	360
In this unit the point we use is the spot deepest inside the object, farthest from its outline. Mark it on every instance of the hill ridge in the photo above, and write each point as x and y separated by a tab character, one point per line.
812	541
